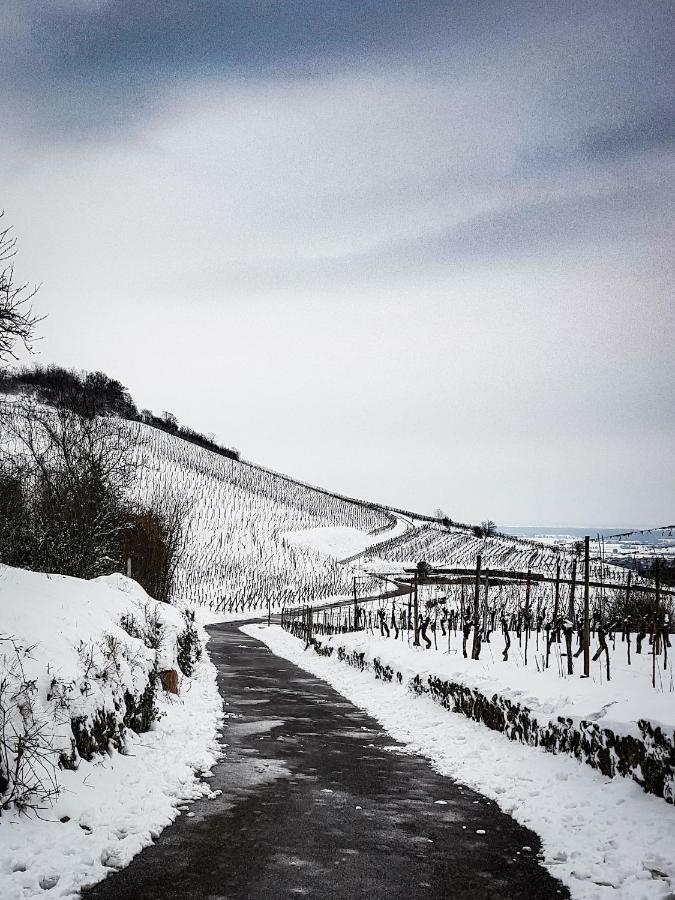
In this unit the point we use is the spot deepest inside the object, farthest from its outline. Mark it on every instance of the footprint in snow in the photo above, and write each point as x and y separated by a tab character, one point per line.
49	880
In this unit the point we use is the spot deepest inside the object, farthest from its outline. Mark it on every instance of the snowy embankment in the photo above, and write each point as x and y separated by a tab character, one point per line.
604	838
80	666
547	692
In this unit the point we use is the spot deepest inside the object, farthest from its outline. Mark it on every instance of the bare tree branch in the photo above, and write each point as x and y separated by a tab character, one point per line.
17	321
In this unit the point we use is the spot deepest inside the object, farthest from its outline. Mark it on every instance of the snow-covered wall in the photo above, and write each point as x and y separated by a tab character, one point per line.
641	750
80	678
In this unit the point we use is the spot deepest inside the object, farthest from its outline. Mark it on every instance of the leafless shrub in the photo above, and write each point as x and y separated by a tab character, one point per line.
27	751
150	631
156	542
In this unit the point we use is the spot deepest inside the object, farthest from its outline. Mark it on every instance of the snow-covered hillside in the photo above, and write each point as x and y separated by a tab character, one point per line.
458	545
242	542
79	679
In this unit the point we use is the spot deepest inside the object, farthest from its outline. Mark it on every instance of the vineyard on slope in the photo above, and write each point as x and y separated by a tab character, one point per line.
237	556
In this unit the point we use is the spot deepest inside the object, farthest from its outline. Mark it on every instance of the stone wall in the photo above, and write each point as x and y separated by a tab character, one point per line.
648	759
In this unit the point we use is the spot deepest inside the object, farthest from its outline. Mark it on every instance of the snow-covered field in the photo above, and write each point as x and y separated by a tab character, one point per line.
107	809
340	541
604	838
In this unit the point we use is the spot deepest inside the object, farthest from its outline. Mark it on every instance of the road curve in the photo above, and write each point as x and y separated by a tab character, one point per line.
317	801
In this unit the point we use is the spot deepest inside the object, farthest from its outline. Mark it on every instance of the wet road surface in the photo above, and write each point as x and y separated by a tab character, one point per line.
317	801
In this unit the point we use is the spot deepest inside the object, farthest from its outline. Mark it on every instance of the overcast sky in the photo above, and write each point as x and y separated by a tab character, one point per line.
420	252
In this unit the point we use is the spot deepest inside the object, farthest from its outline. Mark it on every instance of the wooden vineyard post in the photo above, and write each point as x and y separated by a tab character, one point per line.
309	624
587	611
527	613
556	602
626	617
416	623
475	649
409	612
655	629
569	631
269	610
128	567
356	608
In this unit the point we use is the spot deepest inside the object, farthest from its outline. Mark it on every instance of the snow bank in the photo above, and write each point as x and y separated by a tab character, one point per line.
535	705
110	807
604	838
548	693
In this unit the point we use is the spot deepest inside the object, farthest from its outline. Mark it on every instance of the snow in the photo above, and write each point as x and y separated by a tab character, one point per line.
112	807
343	541
617	704
604	838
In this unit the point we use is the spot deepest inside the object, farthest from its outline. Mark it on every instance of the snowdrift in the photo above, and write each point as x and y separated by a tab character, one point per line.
96	756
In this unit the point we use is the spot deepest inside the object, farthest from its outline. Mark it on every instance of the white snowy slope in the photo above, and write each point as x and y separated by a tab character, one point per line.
240	553
604	838
342	541
111	807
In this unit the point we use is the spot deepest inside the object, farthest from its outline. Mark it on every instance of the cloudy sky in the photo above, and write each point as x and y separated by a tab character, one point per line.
420	252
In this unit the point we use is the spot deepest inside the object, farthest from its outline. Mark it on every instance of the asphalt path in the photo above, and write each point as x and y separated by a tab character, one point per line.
318	801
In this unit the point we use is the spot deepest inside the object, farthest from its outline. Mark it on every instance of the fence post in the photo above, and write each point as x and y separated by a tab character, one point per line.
356	608
416	624
557	596
486	628
587	612
569	630
527	613
475	650
655	634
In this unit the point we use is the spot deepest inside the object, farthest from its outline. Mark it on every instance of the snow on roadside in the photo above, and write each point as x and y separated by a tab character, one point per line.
617	704
603	838
112	807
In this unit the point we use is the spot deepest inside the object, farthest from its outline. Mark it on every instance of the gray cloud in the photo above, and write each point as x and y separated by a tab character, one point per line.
302	224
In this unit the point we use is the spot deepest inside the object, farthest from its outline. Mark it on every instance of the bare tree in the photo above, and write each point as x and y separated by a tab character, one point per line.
486	529
76	472
17	321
